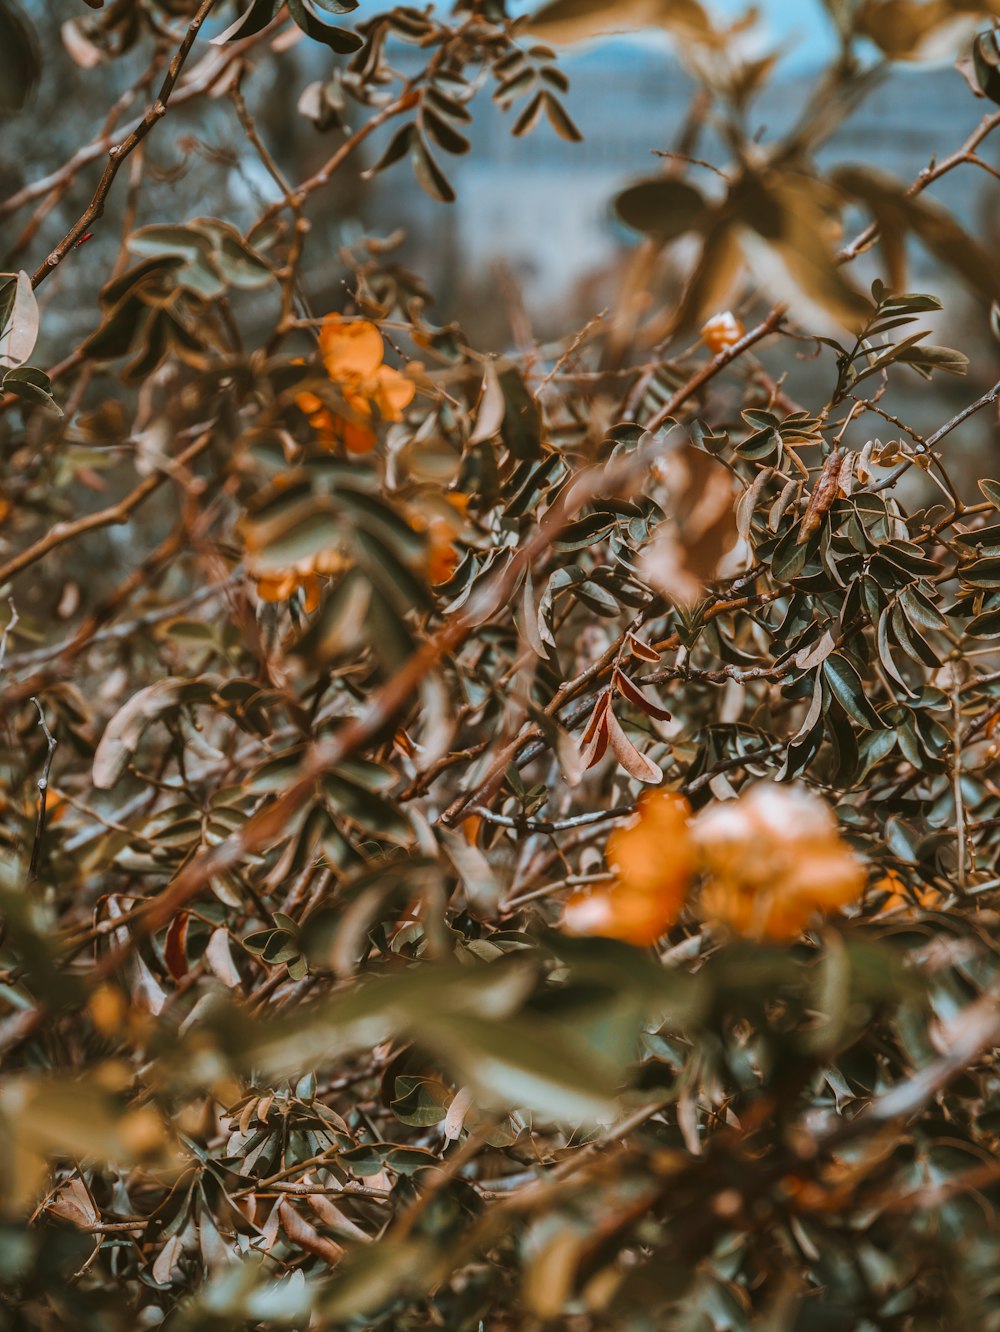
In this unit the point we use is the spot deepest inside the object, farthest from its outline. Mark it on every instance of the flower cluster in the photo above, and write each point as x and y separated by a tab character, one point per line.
653	861
353	354
767	864
303	576
773	860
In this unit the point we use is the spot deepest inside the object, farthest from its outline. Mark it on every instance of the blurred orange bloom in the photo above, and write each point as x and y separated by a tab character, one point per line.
443	556
773	859
900	899
305	575
353	352
653	860
721	332
769	863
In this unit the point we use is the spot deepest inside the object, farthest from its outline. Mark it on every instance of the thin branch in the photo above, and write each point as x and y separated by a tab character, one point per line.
989	396
405	102
956	786
865	239
770	324
117	155
62	533
550	826
7	631
43	793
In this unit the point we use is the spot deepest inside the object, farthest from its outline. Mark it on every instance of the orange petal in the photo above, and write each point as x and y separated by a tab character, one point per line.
310	592
308	403
393	393
358	397
655	854
442	561
618	913
276	587
352	349
355	438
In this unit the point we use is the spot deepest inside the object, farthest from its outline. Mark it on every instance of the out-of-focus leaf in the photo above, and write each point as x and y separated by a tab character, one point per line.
662	207
32	385
18	319
521	1064
986	62
253	20
580	20
125	729
20	58
343	41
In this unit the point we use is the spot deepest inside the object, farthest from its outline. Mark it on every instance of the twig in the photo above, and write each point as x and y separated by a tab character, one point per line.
736	761
115	513
551	826
7	631
956	786
768	325
573	881
43	793
118	632
405	102
989	396
865	239
117	155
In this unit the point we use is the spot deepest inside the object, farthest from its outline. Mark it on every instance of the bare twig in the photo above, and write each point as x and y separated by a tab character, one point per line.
551	826
43	793
7	631
117	155
989	396
769	324
61	533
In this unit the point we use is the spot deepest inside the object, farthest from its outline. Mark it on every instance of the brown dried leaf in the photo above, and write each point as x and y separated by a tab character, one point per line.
492	407
628	689
825	491
635	764
73	1203
175	945
220	959
640	649
307	1237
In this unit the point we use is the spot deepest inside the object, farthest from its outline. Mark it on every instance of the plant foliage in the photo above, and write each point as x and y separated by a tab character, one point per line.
494	840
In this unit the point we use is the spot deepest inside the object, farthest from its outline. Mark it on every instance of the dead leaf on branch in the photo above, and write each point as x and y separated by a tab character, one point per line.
700	530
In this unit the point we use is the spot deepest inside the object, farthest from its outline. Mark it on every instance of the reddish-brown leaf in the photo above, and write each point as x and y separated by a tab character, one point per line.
635	764
628	689
824	493
175	946
307	1237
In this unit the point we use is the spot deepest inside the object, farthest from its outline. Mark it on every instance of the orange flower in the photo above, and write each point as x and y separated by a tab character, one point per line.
721	332
773	860
353	352
900	899
280	584
619	913
443	556
653	859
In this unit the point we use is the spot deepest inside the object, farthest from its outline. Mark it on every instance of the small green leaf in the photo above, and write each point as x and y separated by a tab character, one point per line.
32	385
848	689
